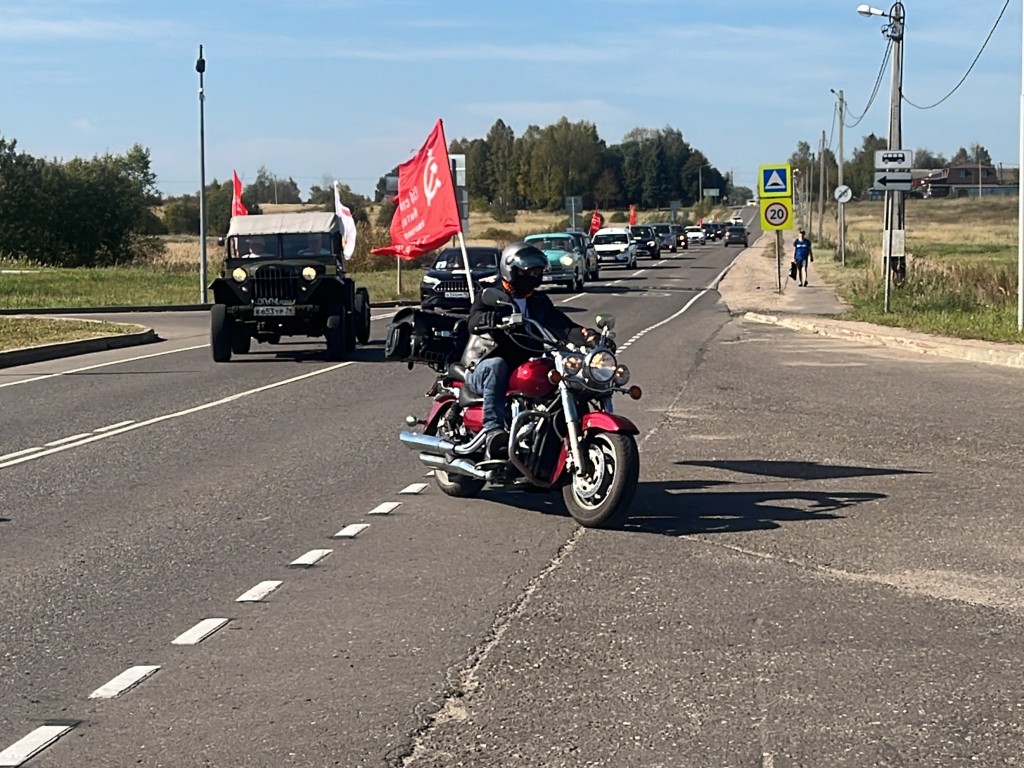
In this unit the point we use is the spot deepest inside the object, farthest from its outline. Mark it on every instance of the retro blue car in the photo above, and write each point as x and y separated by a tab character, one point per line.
566	264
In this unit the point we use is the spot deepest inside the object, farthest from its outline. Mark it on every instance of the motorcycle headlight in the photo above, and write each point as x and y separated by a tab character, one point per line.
239	275
572	364
601	366
621	376
309	273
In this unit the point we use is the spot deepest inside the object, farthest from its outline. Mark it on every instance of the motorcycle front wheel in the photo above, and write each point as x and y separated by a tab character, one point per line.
599	495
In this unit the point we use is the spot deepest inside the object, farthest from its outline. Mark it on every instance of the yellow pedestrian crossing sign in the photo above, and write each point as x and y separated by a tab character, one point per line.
775	181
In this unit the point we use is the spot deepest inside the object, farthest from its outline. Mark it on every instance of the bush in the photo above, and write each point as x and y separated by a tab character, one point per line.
618	218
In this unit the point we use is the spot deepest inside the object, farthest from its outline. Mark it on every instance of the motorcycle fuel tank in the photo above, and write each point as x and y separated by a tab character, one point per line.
531	379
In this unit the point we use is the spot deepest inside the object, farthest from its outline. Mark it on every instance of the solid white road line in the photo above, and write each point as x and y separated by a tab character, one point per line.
199	632
68	439
257	593
386	508
29	746
22	452
414	488
123	682
166	417
102	365
311	558
115	426
351	531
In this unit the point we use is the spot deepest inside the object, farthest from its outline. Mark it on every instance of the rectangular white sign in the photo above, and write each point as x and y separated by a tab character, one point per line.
893	159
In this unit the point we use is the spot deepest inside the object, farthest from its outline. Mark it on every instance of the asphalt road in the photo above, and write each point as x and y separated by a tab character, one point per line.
822	568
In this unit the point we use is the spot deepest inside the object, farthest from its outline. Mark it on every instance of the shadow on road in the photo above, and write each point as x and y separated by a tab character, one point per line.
797	470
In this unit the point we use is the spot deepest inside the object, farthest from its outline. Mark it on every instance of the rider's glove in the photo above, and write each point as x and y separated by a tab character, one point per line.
489	319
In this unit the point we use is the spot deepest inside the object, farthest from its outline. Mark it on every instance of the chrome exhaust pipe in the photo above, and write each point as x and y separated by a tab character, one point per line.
457	466
427	443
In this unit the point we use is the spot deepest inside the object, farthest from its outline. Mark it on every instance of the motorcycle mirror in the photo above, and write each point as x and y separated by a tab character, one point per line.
606	321
494	297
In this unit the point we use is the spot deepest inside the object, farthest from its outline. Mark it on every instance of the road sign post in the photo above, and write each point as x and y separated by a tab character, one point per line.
573	203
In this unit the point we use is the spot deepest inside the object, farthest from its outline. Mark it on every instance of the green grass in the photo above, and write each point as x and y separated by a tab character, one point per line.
18	332
139	286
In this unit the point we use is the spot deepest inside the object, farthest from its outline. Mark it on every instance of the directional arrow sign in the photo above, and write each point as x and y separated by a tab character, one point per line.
899	181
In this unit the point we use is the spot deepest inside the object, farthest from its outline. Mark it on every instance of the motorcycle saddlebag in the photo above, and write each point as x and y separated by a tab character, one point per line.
426	337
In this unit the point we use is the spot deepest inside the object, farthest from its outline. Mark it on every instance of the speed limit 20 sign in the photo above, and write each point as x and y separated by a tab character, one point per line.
776	213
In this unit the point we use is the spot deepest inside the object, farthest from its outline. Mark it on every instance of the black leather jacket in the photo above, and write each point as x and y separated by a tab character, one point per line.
519	348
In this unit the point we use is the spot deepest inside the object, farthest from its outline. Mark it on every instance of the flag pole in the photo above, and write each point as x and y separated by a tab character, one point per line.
462	240
465	260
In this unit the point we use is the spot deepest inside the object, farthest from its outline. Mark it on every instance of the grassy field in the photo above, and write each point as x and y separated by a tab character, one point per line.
961	267
18	332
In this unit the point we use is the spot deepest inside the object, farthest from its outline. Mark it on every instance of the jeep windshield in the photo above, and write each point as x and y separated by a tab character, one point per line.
285	246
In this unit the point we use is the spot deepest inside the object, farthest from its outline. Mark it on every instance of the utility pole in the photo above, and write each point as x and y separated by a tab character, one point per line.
841	220
821	188
201	68
895	226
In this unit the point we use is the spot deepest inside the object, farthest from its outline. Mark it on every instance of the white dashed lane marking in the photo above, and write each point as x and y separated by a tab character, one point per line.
311	558
29	746
123	682
414	488
351	531
260	591
566	301
386	508
199	632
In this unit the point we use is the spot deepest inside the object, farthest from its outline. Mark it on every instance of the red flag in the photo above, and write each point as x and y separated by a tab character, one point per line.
237	207
596	222
427	214
632	215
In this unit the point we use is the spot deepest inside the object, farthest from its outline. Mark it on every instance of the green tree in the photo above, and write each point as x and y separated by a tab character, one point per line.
976	155
859	173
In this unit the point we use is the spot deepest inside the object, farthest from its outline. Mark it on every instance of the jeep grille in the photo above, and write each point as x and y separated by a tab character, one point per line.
280	283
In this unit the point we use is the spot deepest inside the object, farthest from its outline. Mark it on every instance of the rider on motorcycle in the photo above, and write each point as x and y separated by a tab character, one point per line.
491	356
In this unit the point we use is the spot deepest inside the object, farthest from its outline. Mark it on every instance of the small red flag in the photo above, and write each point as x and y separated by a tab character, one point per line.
596	222
632	215
427	214
237	206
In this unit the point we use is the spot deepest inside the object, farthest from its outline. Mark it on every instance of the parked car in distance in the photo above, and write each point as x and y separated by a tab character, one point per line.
444	285
695	234
735	236
586	247
614	245
648	244
566	264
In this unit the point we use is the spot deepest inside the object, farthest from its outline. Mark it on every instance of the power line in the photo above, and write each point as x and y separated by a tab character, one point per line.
874	91
968	72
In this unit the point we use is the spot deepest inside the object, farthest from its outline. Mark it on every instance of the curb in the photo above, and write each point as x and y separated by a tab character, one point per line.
151	308
937	346
44	352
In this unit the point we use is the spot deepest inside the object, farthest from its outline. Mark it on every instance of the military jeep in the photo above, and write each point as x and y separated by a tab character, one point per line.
284	275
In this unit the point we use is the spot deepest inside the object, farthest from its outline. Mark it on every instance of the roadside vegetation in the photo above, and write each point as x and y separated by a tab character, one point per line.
18	332
961	267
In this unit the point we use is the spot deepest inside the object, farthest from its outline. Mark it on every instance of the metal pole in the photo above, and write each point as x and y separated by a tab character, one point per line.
894	211
1020	196
778	259
201	68
842	206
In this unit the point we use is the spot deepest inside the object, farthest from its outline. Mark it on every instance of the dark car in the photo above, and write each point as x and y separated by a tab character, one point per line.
735	236
713	231
647	241
444	284
586	247
669	239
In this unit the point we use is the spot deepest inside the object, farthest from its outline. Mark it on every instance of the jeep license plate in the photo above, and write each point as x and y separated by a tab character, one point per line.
273	311
456	294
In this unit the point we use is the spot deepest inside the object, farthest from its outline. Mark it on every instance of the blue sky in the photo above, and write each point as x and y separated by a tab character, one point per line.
347	89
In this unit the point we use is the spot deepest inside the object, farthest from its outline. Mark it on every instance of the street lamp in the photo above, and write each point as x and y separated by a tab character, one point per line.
894	210
201	68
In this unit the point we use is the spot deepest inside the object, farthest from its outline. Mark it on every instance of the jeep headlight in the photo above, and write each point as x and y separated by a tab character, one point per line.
309	273
601	366
566	261
572	364
239	275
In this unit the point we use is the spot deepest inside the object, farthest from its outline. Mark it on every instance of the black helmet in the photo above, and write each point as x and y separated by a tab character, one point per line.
522	267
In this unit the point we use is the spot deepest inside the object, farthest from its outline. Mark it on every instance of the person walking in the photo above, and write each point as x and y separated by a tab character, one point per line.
802	255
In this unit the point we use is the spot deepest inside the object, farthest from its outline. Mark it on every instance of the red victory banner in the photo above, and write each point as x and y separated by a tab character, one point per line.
426	214
237	207
632	215
596	222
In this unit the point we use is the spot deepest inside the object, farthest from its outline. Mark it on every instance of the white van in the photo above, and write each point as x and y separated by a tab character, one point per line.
614	245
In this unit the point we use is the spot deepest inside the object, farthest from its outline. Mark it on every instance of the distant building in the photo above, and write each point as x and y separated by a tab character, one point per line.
969	180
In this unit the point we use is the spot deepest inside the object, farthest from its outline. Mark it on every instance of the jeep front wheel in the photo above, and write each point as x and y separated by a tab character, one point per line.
336	333
220	333
361	314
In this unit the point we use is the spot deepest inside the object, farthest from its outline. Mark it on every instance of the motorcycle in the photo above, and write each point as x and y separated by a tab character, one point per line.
563	435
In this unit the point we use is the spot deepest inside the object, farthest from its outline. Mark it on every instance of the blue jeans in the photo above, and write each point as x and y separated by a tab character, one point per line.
490	378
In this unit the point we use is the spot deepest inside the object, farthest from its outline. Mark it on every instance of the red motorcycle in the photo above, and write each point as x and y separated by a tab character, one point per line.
564	434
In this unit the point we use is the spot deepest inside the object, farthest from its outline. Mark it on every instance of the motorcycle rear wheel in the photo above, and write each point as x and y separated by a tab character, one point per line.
451	484
601	498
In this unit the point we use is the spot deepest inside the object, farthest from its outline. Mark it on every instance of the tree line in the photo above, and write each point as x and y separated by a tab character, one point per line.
859	170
